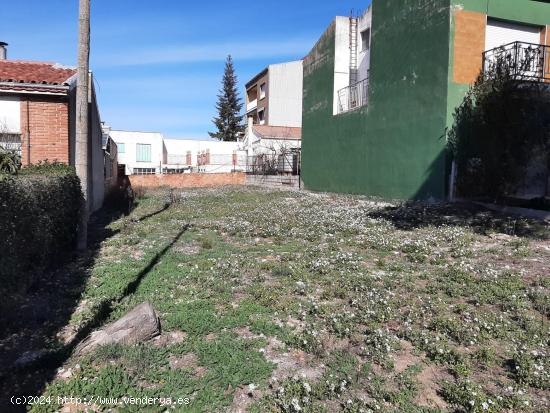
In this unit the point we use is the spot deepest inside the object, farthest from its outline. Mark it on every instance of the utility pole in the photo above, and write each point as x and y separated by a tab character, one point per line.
82	82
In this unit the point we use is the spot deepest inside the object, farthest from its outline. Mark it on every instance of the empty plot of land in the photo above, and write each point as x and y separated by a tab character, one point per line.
275	301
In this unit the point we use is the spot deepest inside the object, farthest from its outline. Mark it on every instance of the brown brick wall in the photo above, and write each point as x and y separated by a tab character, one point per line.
469	45
48	121
192	180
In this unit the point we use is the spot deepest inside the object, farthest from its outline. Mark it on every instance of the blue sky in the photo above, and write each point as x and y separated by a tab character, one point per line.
158	63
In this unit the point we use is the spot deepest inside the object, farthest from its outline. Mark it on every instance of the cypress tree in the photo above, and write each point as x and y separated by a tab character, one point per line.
229	122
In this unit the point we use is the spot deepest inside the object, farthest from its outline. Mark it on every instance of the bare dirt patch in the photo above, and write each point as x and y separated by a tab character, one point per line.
291	363
429	379
170	338
188	361
211	337
332	343
243	398
237	298
405	357
245	333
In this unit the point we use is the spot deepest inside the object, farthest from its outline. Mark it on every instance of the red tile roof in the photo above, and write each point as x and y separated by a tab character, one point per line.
39	73
278	132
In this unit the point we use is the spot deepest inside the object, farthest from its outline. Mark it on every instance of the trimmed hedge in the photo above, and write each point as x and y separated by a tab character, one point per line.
39	216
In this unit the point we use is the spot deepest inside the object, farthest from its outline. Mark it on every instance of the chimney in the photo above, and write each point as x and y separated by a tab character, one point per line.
3	51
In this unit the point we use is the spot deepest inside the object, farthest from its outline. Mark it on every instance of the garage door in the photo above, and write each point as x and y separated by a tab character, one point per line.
500	33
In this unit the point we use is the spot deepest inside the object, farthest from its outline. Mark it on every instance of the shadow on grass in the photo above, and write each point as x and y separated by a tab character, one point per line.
36	323
152	214
34	319
415	215
106	308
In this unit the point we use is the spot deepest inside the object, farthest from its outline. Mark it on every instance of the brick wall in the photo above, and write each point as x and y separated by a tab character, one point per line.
48	121
469	45
192	180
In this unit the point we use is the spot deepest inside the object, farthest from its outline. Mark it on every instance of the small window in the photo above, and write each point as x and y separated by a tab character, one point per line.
121	147
261	116
143	153
144	171
263	88
365	40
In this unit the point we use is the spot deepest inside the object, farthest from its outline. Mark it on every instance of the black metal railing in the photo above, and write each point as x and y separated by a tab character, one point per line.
353	96
518	59
276	163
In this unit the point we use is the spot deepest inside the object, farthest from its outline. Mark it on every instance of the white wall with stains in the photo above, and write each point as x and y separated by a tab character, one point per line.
341	57
285	94
363	54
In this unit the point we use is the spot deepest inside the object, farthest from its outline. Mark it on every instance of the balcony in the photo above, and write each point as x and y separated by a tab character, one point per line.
250	106
519	59
354	96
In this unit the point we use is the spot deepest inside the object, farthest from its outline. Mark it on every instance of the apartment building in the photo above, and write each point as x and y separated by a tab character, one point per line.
274	96
380	89
274	115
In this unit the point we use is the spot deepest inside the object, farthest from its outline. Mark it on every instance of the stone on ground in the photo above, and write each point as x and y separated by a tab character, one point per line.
140	324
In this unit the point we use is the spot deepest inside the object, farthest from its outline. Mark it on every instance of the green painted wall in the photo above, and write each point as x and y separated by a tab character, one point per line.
527	11
394	148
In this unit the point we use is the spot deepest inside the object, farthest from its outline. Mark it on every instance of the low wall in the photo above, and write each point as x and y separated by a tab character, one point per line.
274	181
192	180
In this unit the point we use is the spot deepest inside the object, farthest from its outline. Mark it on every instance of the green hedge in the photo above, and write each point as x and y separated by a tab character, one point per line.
39	215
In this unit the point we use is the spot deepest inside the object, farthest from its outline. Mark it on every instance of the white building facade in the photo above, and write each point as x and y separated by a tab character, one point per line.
147	153
285	88
274	96
141	152
205	156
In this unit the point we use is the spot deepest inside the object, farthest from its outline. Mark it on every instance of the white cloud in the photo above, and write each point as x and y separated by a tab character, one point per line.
207	52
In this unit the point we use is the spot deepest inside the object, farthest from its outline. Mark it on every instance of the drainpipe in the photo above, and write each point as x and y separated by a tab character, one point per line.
452	182
28	135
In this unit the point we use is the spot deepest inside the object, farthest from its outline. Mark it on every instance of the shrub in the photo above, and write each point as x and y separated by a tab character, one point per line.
10	161
500	131
39	215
